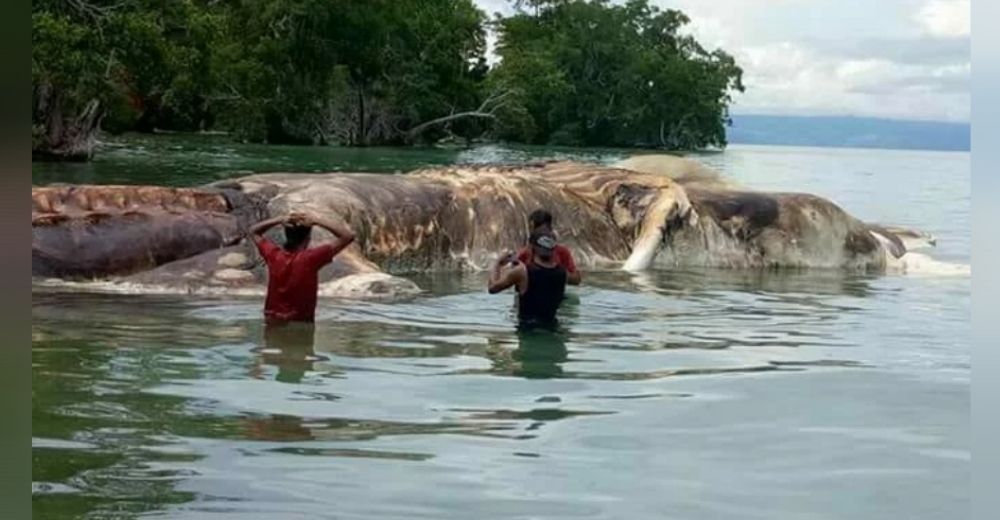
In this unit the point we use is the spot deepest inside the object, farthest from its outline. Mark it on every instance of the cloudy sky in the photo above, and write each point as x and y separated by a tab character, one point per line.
907	59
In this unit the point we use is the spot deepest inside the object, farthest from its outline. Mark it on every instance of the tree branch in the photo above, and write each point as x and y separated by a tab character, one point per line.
95	12
487	110
415	131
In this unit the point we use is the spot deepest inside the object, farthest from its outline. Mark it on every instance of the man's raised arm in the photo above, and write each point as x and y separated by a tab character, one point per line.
343	235
257	230
501	280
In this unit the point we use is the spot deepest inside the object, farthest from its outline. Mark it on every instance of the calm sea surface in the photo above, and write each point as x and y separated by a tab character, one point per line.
690	395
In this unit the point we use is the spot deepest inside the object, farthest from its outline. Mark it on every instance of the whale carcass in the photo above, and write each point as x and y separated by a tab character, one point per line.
667	212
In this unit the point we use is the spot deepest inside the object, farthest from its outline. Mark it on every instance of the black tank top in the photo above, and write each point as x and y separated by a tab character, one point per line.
546	288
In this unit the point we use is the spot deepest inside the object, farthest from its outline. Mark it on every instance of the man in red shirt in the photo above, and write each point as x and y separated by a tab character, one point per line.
540	221
293	269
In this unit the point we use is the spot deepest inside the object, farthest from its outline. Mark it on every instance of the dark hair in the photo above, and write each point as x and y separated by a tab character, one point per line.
540	217
296	236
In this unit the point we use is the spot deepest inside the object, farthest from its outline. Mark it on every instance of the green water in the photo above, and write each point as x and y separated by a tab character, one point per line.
186	160
696	394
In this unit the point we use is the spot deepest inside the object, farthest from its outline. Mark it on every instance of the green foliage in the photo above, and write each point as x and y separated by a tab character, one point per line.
346	71
384	71
146	61
275	67
595	73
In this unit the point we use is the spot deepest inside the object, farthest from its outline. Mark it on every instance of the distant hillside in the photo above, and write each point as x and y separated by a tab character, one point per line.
849	132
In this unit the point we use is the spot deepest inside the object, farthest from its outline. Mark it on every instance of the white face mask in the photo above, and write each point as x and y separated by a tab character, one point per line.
546	242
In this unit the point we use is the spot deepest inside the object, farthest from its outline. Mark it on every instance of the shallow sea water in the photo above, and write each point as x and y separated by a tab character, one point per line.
694	394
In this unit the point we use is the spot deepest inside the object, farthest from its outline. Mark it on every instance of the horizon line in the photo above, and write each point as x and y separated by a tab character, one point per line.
853	116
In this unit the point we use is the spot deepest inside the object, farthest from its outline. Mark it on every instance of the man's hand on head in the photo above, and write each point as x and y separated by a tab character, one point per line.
299	219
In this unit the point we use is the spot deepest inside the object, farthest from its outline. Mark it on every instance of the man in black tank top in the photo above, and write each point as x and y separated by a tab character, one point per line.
540	284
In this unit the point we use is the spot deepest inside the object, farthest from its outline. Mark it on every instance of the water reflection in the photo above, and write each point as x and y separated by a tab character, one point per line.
540	353
291	348
692	281
288	428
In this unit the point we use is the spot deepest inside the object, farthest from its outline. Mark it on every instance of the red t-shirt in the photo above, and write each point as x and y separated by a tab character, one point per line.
561	253
292	280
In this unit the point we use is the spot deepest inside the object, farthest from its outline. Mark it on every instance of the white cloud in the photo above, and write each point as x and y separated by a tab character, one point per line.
789	78
842	57
905	59
945	18
710	31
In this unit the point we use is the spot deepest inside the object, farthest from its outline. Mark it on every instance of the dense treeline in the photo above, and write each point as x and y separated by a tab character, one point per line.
354	72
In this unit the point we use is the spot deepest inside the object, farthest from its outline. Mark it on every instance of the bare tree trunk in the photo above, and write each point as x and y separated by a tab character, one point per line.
676	129
362	132
60	137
